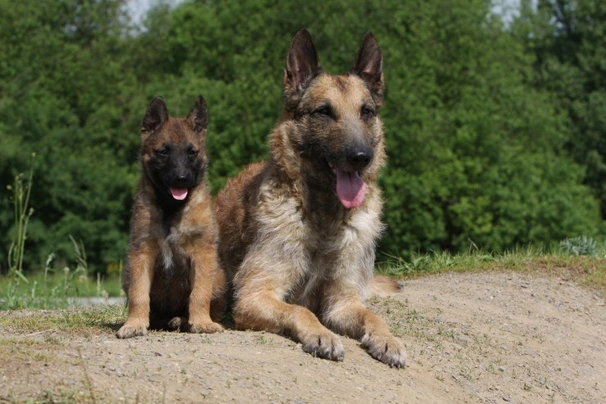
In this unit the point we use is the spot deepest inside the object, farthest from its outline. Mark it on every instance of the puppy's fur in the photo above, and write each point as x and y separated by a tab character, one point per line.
298	231
172	278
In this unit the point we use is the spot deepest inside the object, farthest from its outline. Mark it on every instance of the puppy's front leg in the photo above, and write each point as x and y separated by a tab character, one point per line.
205	274
138	278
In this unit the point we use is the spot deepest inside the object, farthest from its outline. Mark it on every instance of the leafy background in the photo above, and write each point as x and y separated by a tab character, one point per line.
495	131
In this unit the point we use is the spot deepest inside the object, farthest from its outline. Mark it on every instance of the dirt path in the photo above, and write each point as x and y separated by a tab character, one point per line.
484	337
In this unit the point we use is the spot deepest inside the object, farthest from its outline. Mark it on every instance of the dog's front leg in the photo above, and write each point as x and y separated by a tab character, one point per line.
260	308
347	315
139	278
204	275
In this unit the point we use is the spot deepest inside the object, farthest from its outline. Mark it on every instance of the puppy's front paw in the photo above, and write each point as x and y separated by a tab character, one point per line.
132	329
385	348
205	328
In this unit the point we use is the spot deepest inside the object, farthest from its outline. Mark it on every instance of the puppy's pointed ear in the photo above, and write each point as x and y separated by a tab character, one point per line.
155	116
369	66
198	116
301	67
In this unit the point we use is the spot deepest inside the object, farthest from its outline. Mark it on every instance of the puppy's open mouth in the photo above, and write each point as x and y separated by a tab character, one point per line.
179	193
351	189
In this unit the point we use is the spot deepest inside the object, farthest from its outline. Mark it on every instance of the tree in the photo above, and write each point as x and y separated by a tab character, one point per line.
478	145
459	113
66	93
473	147
566	39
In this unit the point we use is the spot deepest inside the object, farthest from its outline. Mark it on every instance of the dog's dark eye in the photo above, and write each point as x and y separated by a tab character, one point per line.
192	152
162	151
366	112
323	110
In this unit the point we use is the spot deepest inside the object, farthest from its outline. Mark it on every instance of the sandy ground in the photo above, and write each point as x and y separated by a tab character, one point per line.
471	338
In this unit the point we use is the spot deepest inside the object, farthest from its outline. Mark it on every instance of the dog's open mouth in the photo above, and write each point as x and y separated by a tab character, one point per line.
350	188
178	193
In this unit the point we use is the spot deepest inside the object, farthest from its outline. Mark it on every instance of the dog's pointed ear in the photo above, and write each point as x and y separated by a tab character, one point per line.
155	116
198	116
301	66
369	66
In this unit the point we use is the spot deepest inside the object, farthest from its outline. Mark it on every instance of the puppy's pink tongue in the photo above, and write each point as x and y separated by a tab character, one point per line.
179	193
350	189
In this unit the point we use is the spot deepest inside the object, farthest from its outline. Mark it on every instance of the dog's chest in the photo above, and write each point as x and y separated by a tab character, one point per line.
173	256
331	234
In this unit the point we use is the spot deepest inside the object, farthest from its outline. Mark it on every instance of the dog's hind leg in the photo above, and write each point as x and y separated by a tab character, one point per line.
176	323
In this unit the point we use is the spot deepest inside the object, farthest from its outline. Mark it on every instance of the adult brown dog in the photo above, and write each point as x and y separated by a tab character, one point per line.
172	278
298	232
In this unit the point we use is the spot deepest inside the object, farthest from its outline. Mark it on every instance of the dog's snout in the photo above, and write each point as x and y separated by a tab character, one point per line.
359	158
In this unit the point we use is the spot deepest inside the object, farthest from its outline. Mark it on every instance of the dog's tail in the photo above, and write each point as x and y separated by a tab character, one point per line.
383	285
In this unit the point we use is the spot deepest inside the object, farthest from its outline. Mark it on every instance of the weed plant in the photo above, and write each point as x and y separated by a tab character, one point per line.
52	288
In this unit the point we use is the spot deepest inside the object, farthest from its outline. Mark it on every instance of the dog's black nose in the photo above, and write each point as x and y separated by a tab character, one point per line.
359	158
181	180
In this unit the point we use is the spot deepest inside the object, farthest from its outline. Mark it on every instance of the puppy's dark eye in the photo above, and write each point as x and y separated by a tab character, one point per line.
163	151
192	152
367	112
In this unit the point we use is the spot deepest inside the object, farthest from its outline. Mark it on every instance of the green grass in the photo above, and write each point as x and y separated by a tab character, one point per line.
587	268
55	289
70	285
83	321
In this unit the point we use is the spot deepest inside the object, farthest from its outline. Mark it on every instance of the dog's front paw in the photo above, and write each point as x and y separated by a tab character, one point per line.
132	329
205	328
387	349
326	345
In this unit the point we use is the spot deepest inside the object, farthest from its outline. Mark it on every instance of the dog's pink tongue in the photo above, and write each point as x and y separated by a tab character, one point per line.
350	189
179	193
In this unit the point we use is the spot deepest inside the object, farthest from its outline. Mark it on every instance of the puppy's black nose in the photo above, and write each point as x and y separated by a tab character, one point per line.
359	158
181	180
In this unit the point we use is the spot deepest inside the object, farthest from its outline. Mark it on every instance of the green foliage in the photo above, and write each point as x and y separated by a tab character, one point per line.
66	88
475	152
567	40
480	149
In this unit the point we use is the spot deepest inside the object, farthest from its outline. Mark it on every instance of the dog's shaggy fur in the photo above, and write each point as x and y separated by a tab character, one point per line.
298	231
